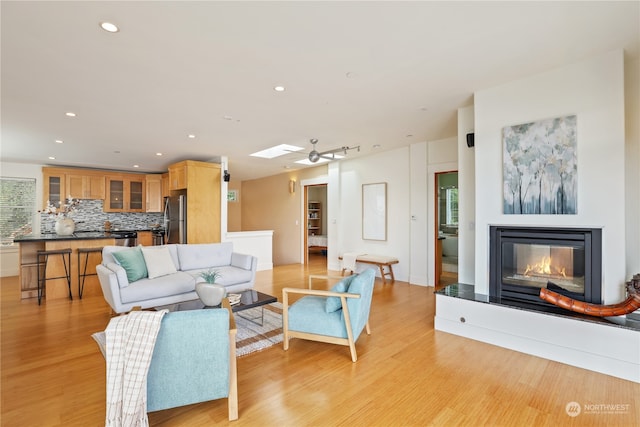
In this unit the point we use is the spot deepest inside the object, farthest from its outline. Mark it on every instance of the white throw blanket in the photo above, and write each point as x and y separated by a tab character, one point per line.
130	343
349	261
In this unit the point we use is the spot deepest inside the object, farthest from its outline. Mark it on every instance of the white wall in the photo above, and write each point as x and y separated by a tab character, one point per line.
419	245
345	184
594	91
466	198
632	166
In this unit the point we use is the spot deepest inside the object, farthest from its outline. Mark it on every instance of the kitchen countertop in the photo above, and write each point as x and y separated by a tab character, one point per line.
78	235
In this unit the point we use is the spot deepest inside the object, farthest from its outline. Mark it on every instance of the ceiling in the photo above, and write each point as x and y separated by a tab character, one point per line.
379	75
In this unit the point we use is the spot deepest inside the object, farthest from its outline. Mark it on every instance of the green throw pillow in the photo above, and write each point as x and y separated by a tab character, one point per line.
133	263
334	303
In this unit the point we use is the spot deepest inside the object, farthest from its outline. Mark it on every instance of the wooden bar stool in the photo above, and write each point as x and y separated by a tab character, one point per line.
81	276
43	258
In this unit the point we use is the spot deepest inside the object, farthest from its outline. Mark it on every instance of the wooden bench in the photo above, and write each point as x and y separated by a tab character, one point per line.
381	261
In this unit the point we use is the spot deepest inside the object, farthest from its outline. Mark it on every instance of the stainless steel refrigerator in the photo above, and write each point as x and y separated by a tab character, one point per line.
175	218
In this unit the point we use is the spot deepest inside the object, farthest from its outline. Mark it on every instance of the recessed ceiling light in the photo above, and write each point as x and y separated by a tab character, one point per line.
408	135
158	154
51	158
376	146
279	88
191	136
136	166
108	26
278	150
59	141
117	151
227	117
70	114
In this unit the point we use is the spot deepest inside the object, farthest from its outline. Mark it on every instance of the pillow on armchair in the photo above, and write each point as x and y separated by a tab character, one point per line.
334	303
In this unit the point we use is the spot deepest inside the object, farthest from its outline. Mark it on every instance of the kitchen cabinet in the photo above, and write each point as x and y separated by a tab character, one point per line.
61	183
85	186
53	187
153	193
166	188
314	218
125	193
202	182
178	175
145	238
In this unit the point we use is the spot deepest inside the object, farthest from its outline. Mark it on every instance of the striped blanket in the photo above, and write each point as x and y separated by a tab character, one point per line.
130	343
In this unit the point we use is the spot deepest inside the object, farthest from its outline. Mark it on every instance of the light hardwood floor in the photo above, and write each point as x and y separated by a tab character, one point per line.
407	374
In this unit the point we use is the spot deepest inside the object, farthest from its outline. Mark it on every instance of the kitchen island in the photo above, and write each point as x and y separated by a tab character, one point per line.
57	288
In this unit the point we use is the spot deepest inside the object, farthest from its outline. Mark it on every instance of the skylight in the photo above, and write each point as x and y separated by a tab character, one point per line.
277	151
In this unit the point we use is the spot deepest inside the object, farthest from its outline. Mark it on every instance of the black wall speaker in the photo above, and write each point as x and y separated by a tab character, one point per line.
227	176
470	140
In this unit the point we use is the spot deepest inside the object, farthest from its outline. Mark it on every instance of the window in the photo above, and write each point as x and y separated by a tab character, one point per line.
451	197
17	207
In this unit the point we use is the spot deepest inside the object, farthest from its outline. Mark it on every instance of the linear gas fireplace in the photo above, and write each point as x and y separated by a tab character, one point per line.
565	260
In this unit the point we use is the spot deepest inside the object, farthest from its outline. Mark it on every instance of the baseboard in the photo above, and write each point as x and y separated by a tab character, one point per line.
264	266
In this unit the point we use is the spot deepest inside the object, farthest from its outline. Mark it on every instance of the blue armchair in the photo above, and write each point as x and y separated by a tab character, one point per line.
337	316
194	360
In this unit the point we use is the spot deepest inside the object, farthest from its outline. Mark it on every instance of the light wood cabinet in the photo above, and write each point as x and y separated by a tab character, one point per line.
166	187
29	269
178	175
202	182
154	193
125	193
145	238
85	186
53	187
61	183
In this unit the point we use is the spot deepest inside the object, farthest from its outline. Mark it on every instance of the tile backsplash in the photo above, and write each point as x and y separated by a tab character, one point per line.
90	217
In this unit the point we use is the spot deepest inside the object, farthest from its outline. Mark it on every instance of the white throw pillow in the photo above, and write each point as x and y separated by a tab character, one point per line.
158	260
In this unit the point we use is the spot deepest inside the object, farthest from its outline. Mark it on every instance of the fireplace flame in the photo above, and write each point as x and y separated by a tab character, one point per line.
545	267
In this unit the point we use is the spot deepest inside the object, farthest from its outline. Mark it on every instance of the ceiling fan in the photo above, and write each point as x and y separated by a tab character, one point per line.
314	155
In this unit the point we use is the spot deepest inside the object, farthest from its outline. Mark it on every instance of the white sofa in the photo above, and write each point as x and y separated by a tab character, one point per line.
171	274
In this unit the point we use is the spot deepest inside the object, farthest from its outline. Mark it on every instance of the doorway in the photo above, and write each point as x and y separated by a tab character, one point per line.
446	233
316	239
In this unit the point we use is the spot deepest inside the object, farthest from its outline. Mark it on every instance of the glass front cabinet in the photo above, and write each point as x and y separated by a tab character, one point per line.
125	194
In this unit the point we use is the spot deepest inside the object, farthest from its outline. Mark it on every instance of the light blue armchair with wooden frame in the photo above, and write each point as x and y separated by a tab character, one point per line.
194	360
336	316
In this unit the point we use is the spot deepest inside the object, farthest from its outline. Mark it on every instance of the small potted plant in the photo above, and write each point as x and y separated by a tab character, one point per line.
209	292
210	276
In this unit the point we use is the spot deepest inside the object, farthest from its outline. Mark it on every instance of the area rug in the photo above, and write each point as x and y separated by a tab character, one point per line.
252	337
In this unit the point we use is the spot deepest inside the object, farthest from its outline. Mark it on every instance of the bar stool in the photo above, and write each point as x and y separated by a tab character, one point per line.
43	258
81	276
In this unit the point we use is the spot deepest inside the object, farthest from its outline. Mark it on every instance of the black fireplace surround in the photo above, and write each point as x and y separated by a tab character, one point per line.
525	259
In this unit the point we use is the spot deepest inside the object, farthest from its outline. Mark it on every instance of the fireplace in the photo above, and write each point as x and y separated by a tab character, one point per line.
525	259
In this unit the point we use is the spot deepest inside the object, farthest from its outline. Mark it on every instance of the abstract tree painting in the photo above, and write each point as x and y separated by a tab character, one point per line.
540	167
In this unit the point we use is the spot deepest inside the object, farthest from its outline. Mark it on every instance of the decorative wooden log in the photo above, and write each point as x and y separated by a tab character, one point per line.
631	304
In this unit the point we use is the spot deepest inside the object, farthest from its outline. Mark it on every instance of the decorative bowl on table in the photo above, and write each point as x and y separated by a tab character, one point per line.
210	294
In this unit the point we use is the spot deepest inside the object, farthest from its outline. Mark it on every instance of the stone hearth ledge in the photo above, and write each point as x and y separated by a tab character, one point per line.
607	345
